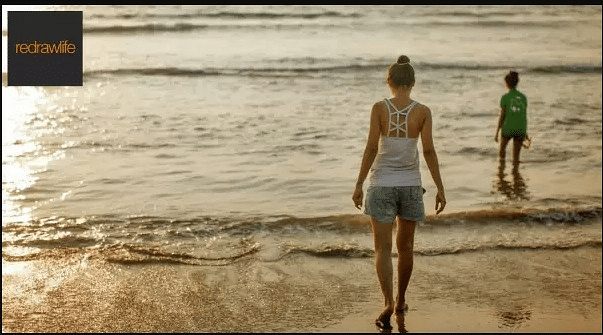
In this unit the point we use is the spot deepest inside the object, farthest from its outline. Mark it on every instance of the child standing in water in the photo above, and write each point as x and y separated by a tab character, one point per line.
512	119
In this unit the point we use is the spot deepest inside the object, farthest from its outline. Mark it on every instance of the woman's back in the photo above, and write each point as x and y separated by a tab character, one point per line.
397	160
414	117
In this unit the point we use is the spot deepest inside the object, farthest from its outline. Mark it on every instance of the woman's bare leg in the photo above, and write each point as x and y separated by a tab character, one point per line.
382	236
405	237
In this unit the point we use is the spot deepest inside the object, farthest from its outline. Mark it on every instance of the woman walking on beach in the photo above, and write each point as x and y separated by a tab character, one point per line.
512	120
395	193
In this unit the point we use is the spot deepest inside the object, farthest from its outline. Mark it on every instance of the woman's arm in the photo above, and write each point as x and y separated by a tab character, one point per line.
370	152
431	158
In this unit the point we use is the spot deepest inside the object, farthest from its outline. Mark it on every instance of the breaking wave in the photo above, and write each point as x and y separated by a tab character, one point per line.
300	70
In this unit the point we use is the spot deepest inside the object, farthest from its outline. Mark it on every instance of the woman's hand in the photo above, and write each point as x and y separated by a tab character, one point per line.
358	195
440	202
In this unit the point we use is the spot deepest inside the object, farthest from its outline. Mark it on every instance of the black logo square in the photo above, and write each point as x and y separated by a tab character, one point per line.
45	48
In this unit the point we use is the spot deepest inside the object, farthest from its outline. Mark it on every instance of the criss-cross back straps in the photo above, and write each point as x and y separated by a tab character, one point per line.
396	124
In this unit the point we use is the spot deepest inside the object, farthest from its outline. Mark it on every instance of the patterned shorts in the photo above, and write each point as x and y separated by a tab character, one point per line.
385	203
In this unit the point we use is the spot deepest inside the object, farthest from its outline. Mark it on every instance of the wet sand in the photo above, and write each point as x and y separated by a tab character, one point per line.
520	292
528	291
445	317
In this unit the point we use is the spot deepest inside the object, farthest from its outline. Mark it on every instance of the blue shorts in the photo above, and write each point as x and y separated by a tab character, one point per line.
385	203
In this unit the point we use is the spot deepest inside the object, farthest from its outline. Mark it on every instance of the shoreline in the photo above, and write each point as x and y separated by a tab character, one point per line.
497	291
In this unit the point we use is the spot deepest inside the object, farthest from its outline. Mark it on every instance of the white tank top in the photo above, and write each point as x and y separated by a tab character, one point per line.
397	160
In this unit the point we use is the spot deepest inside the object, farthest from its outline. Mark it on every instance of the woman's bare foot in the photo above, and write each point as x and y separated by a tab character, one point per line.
383	321
401	306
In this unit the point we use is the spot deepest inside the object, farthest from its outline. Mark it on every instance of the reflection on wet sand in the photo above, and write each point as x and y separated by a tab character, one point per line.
515	189
514	318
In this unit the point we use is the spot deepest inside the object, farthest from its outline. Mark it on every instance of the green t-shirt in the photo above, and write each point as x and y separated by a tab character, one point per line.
516	121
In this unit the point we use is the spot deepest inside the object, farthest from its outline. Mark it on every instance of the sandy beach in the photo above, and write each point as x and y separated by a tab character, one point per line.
529	291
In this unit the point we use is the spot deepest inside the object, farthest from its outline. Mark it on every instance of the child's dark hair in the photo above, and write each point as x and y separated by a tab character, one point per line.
512	78
401	73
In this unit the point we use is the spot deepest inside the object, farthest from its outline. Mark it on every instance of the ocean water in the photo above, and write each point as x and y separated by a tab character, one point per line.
215	135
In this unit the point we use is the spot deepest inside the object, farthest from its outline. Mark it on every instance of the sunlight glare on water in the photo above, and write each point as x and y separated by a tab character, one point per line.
20	105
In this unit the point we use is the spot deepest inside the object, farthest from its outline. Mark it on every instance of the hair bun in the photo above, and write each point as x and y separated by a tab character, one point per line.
401	73
403	60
